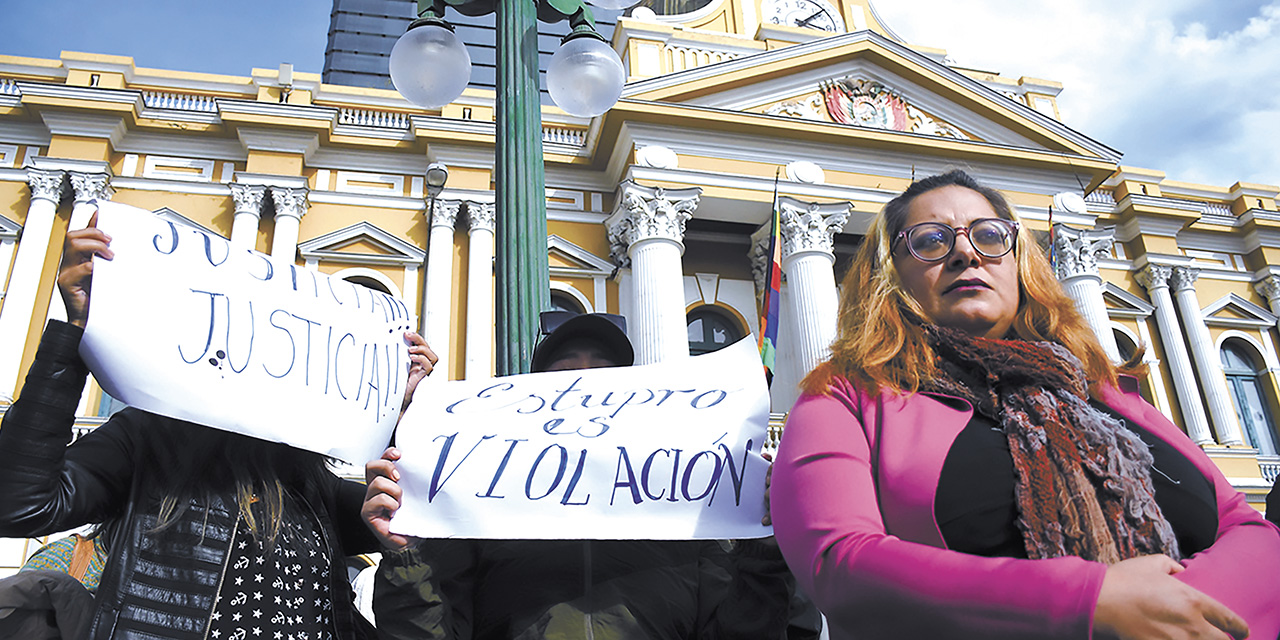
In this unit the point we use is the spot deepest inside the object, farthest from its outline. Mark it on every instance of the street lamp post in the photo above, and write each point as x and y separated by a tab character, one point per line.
431	68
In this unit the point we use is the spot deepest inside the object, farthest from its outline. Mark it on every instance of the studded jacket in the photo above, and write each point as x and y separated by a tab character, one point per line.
154	584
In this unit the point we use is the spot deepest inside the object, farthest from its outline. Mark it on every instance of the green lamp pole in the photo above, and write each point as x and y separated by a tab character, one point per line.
522	277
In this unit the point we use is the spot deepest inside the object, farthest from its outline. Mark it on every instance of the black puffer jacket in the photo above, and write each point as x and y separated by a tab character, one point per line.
154	585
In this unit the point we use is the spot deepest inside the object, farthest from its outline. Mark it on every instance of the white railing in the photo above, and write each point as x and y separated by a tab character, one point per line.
1216	209
179	102
1101	197
1269	470
9	87
370	118
560	135
680	58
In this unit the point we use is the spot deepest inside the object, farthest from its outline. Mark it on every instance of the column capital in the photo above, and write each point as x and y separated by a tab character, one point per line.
1183	278
1268	287
46	184
647	213
444	213
290	201
810	226
480	215
91	186
1154	276
758	254
1076	251
248	197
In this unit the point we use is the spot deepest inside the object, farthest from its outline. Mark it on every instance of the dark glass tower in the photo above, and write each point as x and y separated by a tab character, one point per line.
362	32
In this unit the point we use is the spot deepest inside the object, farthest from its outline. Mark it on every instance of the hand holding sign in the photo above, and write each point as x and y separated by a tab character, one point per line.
185	327
665	451
75	275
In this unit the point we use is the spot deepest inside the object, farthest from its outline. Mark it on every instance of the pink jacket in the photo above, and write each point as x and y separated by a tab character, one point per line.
853	491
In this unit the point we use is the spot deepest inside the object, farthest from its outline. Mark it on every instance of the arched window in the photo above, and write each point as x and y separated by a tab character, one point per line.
561	301
1245	381
711	330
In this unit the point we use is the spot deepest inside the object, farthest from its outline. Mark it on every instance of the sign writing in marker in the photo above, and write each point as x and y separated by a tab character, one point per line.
182	325
662	452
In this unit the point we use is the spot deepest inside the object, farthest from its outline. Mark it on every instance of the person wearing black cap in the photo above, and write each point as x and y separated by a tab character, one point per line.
572	589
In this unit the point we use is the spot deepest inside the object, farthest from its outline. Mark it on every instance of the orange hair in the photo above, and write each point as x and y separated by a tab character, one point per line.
880	340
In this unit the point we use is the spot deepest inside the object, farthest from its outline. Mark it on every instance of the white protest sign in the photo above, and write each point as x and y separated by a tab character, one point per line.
657	452
183	326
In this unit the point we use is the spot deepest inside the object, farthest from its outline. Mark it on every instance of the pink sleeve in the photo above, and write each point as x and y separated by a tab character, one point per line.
874	585
1241	569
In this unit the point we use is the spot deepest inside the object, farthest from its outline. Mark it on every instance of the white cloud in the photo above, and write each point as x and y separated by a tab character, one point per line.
1188	87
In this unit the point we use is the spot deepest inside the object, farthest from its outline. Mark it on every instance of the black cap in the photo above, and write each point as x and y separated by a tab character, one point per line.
560	327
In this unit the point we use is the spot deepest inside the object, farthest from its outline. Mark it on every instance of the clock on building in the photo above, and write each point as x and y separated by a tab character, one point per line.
812	14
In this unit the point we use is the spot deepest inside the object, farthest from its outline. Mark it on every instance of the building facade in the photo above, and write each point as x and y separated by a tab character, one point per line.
656	209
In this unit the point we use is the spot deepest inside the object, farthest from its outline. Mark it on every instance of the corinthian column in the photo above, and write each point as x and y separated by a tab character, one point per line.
88	187
646	231
808	237
24	278
1208	364
438	298
1269	288
1076	256
1156	280
479	290
291	205
244	227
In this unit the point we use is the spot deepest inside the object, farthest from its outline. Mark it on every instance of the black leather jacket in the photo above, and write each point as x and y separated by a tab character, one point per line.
152	581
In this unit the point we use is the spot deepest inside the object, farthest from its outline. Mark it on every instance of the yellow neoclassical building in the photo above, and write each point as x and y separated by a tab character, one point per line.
655	209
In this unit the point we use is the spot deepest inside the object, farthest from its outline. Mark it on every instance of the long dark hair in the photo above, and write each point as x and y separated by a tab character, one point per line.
184	465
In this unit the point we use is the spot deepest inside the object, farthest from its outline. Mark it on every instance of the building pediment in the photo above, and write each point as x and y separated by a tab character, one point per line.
165	213
8	228
361	243
1122	304
866	80
1232	310
568	259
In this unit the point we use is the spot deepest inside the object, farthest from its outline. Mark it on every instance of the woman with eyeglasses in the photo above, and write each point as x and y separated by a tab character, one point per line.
969	464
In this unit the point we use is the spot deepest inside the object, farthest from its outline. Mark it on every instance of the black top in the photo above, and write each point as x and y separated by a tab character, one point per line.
976	511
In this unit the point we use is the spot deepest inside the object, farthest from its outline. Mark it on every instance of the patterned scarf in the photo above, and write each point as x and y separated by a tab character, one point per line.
1083	480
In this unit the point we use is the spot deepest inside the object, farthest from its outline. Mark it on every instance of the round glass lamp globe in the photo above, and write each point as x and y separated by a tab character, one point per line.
585	77
429	66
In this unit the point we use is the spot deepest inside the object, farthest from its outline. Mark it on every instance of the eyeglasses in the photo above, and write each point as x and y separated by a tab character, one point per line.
549	321
933	241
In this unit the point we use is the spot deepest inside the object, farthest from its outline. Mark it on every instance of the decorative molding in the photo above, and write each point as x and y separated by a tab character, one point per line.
46	185
91	186
1133	306
1076	251
328	247
1154	276
592	265
1268	287
290	202
867	103
480	215
647	213
248	197
1253	315
809	226
165	213
444	213
1183	278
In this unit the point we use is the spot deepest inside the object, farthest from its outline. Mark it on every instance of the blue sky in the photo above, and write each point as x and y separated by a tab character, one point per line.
1188	87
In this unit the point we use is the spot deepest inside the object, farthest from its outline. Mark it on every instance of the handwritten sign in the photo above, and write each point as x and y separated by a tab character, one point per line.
659	452
183	326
